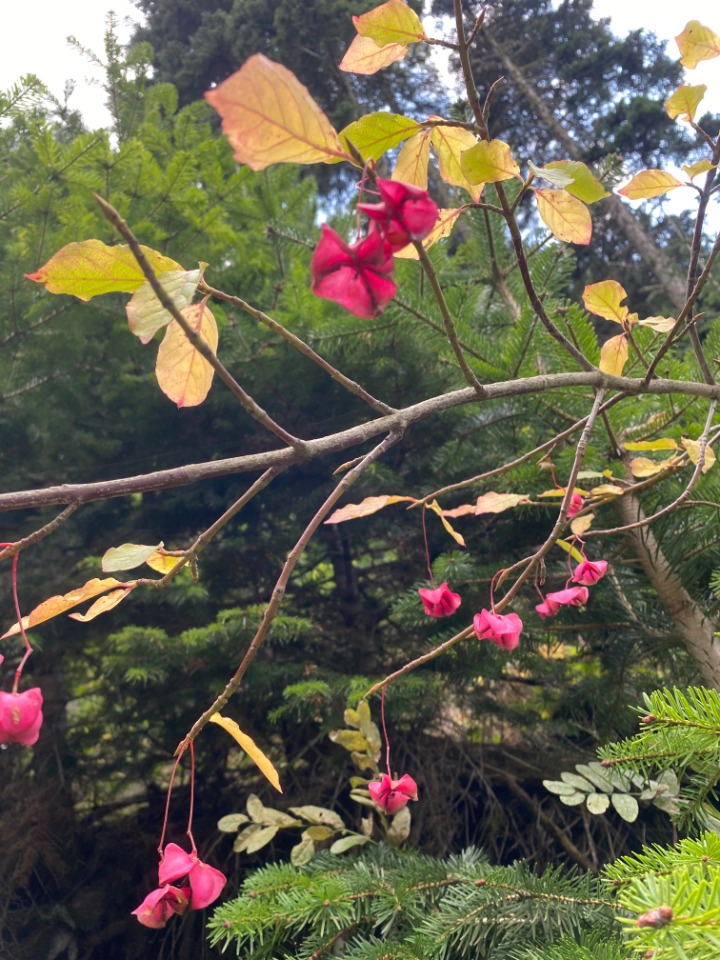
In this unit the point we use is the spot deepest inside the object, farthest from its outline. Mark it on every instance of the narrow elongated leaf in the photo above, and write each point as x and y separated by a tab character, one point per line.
145	313
107	602
250	747
54	606
443	228
585	185
685	101
565	216
662	443
649	183
352	511
569	548
127	556
449	143
697	43
376	133
604	299
692	447
392	22
366	57
489	161
183	374
411	165
458	538
658	324
90	268
347	843
269	117
613	355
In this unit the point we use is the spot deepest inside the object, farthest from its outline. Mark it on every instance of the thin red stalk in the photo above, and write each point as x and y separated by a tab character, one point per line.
427	548
385	733
167	800
28	648
192	799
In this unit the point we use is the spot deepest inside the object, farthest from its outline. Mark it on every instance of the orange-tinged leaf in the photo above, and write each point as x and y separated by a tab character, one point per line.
145	313
692	448
162	562
643	467
352	511
489	161
579	525
498	502
376	133
449	144
366	57
90	267
662	443
107	602
436	508
613	355
604	300
54	606
659	324
127	556
442	229
695	169
262	762
392	22
565	216
685	101
269	117
461	511
585	185
697	43
411	165
183	374
649	183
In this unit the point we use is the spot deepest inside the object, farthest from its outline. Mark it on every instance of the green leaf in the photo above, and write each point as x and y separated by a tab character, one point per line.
573	799
391	22
559	787
596	774
400	827
585	185
598	803
302	853
231	822
626	806
575	780
315	814
489	161
376	133
318	833
146	315
127	556
350	740
260	838
347	843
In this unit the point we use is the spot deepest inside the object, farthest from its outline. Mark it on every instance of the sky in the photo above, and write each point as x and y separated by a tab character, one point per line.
36	42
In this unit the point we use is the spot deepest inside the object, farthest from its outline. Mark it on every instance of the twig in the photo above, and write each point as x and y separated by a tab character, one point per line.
40	534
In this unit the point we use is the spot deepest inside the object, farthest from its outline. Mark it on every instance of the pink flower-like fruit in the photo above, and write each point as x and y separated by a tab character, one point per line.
206	882
405	212
357	276
21	717
499	628
589	572
576	505
441	602
569	597
159	905
392	795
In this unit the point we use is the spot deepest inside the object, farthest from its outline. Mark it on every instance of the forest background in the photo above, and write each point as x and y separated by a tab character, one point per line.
80	812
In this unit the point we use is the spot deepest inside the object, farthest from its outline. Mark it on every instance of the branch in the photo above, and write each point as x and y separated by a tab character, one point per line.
37	535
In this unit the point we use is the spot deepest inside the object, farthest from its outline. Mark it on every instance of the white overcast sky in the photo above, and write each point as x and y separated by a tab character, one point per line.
36	30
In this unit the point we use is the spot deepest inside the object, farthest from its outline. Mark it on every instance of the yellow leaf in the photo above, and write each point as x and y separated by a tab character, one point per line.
442	229
604	299
697	43
569	548
659	324
643	467
376	133
585	185
695	169
613	355
162	562
145	313
458	538
449	144
579	525
565	216
352	511
269	117
692	448
411	165
59	604
607	490
649	183
250	747
561	491
685	101
498	502
366	57
90	268
662	443
489	161
183	374
392	22
107	602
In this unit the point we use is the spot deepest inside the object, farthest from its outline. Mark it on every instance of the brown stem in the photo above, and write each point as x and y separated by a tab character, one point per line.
37	535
